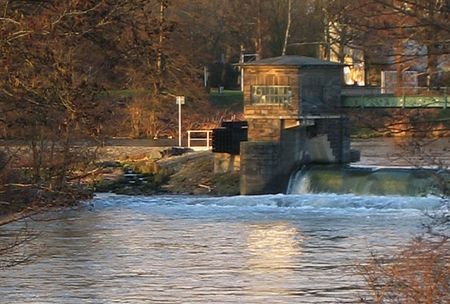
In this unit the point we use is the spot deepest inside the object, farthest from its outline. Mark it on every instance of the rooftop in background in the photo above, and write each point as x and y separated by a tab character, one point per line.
291	60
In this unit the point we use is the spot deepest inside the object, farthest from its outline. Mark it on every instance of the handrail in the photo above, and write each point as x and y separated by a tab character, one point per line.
395	90
389	101
207	139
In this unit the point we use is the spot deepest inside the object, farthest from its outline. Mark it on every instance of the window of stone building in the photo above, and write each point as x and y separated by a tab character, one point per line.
271	94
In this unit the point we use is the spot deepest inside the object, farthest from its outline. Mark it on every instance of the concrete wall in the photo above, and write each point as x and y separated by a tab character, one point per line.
293	145
266	166
338	136
318	150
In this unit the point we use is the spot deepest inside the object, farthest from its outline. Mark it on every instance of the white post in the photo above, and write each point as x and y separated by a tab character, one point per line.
205	76
207	139
179	124
180	101
242	72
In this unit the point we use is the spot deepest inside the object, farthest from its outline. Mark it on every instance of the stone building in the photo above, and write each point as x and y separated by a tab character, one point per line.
292	107
285	91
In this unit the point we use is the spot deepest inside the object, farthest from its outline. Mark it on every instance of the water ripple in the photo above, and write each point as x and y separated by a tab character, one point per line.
261	249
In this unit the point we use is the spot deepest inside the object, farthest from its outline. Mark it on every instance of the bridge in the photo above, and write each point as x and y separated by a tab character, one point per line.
433	99
356	97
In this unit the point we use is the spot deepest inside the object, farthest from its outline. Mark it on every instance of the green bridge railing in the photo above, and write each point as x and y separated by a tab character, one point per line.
405	97
386	101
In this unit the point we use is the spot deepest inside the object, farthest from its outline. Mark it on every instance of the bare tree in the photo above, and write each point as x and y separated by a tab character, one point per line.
288	27
408	25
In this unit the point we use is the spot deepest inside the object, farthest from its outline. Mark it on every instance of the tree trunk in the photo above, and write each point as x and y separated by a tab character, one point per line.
158	84
288	27
399	90
258	40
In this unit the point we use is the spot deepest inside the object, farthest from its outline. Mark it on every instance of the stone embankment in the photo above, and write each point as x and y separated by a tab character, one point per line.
152	170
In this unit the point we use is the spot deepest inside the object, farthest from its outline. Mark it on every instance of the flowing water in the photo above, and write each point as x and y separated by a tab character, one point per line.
381	181
175	249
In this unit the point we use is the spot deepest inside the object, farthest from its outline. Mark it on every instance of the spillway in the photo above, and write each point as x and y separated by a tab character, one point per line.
368	180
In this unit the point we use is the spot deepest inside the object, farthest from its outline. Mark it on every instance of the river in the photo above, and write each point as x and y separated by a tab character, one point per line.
185	249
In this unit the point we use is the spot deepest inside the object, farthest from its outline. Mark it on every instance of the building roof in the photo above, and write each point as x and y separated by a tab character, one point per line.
291	60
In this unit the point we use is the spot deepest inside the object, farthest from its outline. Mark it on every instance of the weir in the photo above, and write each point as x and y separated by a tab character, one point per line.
367	181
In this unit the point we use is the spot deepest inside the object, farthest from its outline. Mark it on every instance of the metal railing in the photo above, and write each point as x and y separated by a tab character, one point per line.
202	139
394	91
403	97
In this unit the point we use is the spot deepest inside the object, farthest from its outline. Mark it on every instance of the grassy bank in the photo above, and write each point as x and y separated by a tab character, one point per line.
232	99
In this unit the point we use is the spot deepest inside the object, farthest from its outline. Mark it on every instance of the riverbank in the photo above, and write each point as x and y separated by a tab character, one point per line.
137	170
131	169
146	170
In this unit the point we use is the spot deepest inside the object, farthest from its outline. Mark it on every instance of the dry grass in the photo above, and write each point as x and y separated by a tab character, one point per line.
418	274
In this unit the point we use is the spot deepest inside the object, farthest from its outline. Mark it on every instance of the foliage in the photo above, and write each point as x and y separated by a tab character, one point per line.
47	95
59	60
420	273
414	122
417	32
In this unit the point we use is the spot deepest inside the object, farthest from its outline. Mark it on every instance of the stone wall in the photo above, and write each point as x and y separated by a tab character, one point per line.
225	162
282	137
320	89
264	129
338	135
315	90
271	76
259	167
266	166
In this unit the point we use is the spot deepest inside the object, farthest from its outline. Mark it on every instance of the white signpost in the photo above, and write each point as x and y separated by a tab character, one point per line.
180	100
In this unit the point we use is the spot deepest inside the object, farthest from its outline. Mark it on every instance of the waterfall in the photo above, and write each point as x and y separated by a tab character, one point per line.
366	180
299	183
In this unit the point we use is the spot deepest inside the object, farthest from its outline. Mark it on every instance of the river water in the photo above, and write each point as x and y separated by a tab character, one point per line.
176	249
